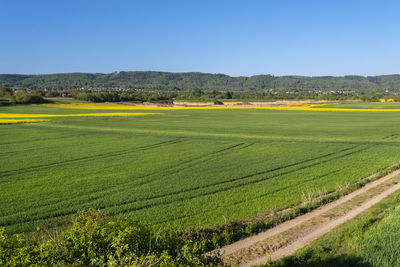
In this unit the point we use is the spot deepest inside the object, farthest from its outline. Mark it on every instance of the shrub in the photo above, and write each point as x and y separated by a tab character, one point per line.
4	91
93	239
16	250
24	98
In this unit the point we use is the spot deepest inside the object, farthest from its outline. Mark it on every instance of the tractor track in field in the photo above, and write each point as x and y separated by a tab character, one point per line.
285	238
176	218
219	135
88	158
162	199
44	139
54	145
171	170
223	187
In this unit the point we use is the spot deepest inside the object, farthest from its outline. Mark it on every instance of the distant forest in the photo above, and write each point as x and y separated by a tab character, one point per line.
166	81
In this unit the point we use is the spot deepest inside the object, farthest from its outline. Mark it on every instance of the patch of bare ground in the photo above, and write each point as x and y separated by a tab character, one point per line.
235	103
286	238
253	103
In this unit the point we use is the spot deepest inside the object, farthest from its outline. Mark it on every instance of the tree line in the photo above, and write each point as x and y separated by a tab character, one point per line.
166	81
9	97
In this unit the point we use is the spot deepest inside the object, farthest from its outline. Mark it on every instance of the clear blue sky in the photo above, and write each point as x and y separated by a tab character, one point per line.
233	37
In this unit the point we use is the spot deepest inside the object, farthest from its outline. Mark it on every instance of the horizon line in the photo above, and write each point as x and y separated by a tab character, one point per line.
199	72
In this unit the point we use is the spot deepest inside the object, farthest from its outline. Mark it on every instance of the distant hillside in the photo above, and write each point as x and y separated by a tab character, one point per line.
150	80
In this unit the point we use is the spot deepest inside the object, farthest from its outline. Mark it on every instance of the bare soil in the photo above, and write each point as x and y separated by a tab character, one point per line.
253	103
235	103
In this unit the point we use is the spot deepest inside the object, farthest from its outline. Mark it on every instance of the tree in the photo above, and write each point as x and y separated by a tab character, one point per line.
197	92
4	91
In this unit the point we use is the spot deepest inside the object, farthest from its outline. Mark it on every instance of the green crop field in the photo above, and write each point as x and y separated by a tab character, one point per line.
387	105
184	167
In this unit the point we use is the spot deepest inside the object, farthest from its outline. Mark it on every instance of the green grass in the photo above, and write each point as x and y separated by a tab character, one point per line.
63	100
186	168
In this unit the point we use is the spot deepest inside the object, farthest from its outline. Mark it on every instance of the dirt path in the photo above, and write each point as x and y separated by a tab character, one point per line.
287	237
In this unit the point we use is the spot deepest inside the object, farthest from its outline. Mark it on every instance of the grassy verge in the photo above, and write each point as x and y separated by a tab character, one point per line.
371	239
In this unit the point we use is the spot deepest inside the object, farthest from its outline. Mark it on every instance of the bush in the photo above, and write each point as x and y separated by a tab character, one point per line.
24	98
93	239
16	250
4	91
5	102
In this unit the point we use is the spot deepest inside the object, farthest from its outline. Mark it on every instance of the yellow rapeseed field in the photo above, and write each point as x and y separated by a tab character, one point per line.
11	121
16	115
125	107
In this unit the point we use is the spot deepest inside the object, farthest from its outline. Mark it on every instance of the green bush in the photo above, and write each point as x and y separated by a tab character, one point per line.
4	91
24	98
93	239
